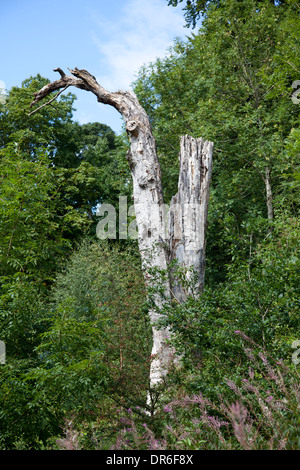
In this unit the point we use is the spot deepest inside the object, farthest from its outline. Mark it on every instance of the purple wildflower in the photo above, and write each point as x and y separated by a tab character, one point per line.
251	373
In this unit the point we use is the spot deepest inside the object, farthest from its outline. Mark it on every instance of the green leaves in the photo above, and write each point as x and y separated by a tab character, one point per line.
86	342
231	83
31	228
39	130
95	320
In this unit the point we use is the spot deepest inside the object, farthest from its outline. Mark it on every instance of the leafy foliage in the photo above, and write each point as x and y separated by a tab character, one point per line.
73	310
196	9
92	343
231	84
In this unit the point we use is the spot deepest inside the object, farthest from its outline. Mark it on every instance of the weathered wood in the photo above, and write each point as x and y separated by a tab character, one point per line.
269	194
156	248
188	213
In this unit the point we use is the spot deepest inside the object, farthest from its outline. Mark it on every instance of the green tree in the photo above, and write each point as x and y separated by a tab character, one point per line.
195	9
35	242
104	281
90	152
33	133
88	354
47	204
232	84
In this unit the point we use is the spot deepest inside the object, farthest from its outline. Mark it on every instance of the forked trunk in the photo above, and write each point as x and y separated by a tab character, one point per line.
183	236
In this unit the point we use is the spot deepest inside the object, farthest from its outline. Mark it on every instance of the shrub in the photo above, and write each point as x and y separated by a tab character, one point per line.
264	415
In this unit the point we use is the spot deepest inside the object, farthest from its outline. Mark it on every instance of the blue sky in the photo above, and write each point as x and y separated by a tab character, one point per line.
111	39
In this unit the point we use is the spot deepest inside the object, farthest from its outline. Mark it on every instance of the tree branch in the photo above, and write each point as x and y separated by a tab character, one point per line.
48	102
255	168
193	187
59	70
85	81
63	82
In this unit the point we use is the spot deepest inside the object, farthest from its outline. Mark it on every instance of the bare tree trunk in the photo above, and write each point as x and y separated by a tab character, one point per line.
156	247
269	194
188	214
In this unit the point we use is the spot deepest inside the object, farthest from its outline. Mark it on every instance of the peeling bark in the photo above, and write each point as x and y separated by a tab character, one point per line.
188	212
157	246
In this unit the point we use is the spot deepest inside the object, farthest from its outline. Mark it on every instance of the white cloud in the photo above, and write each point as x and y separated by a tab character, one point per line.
2	91
142	31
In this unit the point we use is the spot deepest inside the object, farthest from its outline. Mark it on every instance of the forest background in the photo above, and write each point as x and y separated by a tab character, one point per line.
73	308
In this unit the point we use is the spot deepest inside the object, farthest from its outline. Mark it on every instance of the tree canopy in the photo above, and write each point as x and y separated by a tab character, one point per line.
73	308
196	9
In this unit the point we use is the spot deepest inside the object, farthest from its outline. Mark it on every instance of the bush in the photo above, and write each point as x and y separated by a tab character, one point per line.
89	347
263	415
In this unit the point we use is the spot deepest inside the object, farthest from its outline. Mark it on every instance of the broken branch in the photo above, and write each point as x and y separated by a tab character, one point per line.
48	102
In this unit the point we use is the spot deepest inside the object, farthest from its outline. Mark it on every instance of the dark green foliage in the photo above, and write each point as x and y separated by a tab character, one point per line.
28	415
88	345
232	84
40	130
53	173
197	9
73	310
32	215
259	413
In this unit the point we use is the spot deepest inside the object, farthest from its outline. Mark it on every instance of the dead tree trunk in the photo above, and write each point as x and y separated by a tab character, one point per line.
188	213
185	239
269	194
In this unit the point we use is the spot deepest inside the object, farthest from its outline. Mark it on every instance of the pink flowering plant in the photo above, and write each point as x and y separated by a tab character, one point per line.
261	412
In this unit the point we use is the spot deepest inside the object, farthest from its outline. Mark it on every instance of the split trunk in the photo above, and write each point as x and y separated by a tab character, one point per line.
164	234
